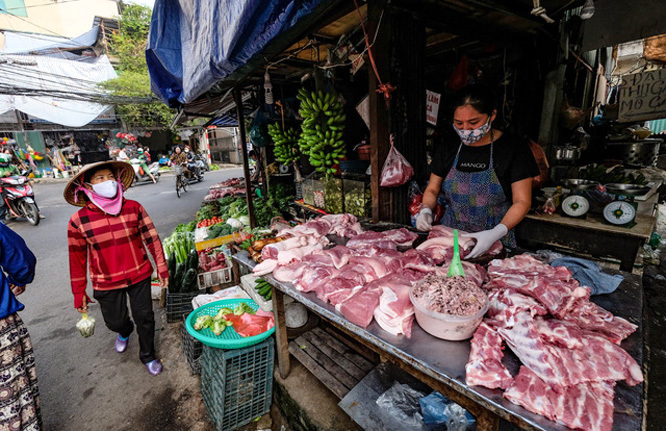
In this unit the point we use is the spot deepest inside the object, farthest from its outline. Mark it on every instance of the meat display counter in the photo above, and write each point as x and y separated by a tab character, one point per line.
589	235
441	364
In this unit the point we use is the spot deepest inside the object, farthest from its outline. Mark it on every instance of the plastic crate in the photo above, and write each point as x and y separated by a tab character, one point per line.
178	304
192	349
215	278
237	385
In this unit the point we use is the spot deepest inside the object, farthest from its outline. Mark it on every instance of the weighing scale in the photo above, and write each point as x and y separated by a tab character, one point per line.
576	204
623	212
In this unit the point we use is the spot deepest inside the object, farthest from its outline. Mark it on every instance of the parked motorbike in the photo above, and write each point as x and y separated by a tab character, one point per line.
19	198
154	169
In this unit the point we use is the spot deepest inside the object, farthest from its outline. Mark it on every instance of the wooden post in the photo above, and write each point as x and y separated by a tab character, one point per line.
282	343
379	112
246	164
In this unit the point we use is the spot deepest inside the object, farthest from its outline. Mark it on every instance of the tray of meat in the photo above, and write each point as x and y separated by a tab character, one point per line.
450	308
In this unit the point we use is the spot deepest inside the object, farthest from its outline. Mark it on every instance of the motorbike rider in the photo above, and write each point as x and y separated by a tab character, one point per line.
144	165
180	158
7	169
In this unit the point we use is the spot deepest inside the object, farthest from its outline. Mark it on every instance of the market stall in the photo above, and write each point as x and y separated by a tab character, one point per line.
445	365
362	145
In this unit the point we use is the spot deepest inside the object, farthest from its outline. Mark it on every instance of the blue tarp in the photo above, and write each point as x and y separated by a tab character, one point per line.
195	44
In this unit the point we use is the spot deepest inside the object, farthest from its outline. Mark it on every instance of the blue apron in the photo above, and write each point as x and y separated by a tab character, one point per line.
475	201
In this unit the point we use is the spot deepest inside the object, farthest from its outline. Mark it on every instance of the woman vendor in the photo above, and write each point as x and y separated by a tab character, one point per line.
485	176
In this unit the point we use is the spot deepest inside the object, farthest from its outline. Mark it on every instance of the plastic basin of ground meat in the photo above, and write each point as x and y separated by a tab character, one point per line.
447	326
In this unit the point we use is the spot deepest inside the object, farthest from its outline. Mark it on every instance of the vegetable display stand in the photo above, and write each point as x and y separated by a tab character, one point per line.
178	304
192	349
237	385
215	278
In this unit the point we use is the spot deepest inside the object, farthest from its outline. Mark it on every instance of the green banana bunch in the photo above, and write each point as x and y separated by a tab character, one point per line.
286	149
322	129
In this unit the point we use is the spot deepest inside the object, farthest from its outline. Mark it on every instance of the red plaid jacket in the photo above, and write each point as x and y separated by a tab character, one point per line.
113	248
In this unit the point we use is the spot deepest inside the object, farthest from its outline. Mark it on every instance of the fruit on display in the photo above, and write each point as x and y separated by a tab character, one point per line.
322	129
286	149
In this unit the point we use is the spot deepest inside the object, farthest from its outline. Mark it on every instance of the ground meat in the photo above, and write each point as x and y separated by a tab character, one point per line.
458	296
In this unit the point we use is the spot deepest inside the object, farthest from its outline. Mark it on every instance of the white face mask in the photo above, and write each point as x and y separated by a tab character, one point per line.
107	189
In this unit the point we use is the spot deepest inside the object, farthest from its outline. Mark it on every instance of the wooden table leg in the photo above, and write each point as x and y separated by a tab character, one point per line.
282	343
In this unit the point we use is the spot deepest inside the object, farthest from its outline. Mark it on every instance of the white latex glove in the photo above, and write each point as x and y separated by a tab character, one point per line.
424	219
485	239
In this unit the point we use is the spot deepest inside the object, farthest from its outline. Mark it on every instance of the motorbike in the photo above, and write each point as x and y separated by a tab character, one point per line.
19	198
154	169
203	160
196	170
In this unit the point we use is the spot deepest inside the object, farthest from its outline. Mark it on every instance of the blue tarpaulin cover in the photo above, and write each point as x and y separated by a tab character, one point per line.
195	44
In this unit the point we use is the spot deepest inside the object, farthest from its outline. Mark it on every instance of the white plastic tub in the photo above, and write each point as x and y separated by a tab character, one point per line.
447	326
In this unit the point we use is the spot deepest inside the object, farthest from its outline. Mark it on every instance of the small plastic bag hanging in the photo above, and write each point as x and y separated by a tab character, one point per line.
86	325
397	170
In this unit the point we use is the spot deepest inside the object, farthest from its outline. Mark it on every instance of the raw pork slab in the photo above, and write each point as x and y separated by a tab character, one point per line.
586	406
360	307
597	359
395	313
485	367
590	316
402	237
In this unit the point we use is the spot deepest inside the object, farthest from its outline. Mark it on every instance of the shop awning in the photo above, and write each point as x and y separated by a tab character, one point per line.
194	45
224	121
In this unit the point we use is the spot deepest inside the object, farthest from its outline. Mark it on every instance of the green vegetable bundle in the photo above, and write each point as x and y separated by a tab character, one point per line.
323	128
183	275
286	144
179	243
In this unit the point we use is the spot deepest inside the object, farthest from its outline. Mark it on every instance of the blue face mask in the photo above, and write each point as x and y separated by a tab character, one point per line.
468	137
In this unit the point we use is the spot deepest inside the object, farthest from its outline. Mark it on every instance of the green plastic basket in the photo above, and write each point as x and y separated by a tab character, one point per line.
229	339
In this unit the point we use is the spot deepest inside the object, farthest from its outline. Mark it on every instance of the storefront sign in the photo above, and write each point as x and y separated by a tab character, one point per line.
643	96
432	106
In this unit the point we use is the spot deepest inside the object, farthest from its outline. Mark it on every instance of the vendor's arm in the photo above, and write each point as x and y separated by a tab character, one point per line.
424	218
78	260
432	192
522	201
152	241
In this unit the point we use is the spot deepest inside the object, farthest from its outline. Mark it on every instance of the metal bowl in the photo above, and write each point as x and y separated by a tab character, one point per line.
627	189
579	184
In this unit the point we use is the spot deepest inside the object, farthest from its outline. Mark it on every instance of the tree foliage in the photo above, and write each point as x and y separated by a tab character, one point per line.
128	47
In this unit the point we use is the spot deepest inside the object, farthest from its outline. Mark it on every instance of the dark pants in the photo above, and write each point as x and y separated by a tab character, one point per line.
116	316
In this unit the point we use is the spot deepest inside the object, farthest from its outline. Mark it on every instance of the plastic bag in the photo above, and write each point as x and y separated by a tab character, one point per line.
397	170
437	409
402	402
86	325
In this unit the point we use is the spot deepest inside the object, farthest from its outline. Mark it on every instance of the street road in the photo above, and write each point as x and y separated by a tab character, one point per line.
84	384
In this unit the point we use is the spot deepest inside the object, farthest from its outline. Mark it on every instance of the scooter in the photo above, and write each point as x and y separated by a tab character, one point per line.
203	160
154	169
196	170
19	198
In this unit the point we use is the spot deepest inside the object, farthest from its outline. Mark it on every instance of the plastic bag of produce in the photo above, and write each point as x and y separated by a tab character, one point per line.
86	325
397	170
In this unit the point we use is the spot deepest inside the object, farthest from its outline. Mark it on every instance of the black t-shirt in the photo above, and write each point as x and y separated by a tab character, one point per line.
513	160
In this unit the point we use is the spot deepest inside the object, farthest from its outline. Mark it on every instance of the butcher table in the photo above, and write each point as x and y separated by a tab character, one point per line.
441	364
